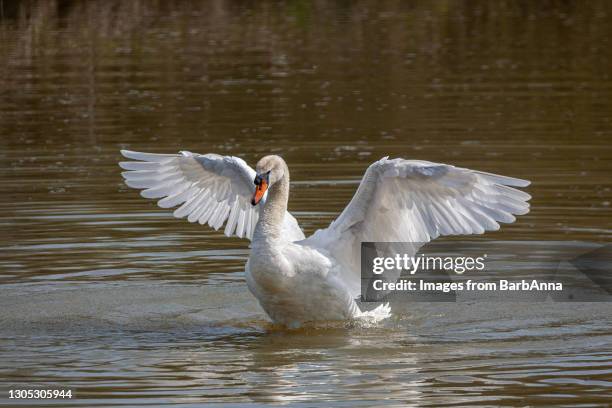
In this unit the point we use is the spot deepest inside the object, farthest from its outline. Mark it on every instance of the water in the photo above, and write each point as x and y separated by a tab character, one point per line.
104	293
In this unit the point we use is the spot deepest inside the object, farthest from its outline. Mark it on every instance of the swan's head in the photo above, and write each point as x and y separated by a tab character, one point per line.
268	171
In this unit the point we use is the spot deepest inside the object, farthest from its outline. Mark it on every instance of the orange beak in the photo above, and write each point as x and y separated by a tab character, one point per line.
260	190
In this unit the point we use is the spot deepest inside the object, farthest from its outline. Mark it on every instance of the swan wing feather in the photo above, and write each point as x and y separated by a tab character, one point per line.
416	201
207	188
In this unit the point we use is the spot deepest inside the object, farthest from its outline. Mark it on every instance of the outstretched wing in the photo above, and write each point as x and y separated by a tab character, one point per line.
416	201
210	189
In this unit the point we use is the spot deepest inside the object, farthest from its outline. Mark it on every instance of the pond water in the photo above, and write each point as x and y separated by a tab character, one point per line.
106	294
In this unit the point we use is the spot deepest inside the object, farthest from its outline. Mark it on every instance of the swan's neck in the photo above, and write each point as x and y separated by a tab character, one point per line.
270	224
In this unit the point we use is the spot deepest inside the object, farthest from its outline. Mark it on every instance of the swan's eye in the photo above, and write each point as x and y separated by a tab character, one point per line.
260	177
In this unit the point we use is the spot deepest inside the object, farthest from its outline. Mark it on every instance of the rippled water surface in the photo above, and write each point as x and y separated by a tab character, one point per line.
104	293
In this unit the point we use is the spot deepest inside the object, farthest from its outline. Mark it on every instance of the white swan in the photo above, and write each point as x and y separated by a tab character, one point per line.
298	280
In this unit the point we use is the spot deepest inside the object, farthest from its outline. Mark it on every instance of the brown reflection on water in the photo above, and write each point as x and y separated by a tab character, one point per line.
519	89
514	87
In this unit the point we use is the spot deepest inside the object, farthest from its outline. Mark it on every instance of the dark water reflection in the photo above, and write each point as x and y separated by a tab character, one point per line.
102	291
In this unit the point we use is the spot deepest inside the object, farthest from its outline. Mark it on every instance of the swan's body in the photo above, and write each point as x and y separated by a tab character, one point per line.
297	279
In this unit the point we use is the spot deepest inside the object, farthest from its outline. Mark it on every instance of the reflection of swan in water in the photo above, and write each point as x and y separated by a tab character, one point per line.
317	365
298	279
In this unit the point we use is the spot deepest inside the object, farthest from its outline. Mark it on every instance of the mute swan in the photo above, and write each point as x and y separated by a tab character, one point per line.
300	280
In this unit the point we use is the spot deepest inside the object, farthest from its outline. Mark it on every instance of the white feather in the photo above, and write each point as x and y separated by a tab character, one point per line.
416	201
207	188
